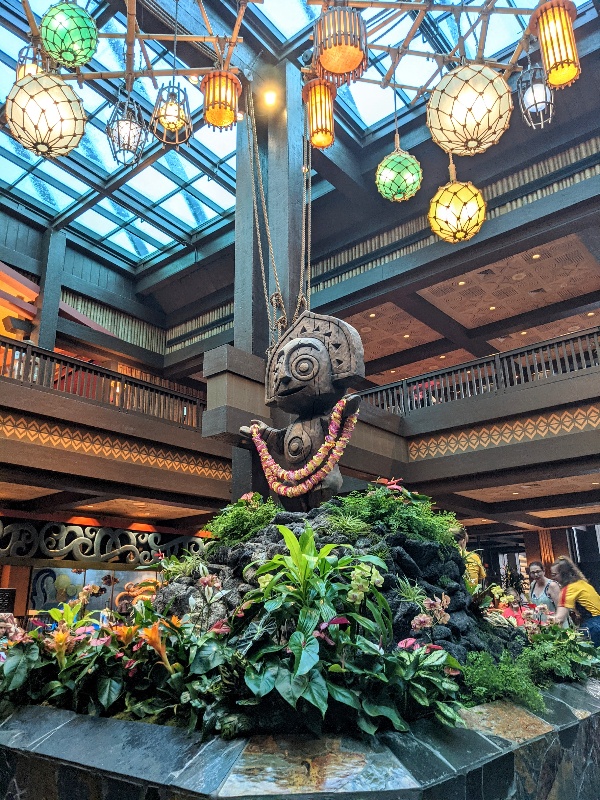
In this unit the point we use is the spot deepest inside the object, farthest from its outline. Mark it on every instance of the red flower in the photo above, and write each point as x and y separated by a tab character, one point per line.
159	555
430	647
393	484
220	627
408	644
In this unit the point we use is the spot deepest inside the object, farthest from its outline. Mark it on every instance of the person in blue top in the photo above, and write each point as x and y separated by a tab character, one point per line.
542	591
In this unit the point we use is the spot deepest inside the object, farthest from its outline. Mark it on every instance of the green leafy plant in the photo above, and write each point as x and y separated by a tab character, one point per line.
188	564
559	654
411	592
509	679
239	521
349	525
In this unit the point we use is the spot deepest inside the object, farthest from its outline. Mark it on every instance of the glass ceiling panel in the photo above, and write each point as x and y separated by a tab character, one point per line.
215	192
179	165
95	222
221	143
51	168
150	230
152	184
288	17
9	172
42	192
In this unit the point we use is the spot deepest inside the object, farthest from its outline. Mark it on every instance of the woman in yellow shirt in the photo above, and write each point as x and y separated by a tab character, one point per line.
577	593
474	570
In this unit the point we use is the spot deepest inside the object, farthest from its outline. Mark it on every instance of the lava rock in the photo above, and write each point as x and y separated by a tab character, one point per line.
458	601
390	582
474	642
450	570
458	559
459	622
430	589
407	564
433	570
404	615
289	518
439	632
457	650
452	587
423	552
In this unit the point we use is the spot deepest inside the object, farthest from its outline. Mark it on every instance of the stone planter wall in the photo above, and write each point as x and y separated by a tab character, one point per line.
504	753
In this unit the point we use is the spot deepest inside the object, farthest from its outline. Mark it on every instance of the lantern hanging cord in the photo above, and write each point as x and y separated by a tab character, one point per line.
303	301
175	38
396	130
277	324
452	169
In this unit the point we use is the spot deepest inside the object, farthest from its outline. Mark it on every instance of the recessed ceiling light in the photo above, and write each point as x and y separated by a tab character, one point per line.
574	328
591	313
492	308
515	493
535	256
518	276
366	329
442	356
523	333
407	335
461	283
595	483
372	316
392	371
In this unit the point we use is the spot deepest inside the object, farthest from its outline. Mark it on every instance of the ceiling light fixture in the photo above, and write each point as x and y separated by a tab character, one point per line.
318	96
29	62
492	308
536	98
552	23
372	315
536	256
270	97
523	333
461	283
591	314
340	45
69	34
221	90
407	335
45	115
457	210
127	131
469	110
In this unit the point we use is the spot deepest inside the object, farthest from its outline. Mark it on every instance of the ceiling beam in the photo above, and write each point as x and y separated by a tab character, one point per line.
475	508
410	356
342	169
59	501
531	504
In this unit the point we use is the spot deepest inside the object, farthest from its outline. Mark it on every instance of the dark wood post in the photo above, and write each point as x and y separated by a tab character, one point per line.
48	301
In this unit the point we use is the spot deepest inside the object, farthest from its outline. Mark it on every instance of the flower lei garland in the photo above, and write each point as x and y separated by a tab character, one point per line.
330	452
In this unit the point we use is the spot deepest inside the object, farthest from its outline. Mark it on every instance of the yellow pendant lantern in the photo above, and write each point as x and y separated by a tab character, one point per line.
552	23
221	92
340	45
318	96
457	210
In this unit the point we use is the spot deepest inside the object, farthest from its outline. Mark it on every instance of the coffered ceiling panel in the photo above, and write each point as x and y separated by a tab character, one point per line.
387	329
138	509
562	327
567	512
18	493
548	488
422	367
534	279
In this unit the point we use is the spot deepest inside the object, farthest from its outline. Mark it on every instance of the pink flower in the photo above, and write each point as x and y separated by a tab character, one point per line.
159	555
408	644
248	497
421	621
100	642
137	645
430	647
220	627
119	655
451	671
130	664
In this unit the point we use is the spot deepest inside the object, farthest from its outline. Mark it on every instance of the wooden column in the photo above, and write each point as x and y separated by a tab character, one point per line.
286	125
52	258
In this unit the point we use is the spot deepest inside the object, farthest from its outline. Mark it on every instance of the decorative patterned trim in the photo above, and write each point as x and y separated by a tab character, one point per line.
104	445
523	429
59	540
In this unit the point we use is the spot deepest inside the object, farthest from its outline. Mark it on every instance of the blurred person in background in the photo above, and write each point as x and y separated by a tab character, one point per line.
578	595
542	591
474	570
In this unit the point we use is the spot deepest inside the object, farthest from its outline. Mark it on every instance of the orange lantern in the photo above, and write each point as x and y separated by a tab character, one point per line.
221	92
340	45
318	95
552	23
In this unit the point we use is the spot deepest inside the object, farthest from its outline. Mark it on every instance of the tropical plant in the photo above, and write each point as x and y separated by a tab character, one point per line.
411	592
349	525
559	654
188	564
239	521
509	679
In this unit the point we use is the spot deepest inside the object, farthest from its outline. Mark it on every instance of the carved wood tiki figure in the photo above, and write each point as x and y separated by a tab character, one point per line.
316	360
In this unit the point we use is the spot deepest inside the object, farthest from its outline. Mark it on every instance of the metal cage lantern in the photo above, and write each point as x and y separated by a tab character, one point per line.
469	110
221	92
318	96
171	121
340	45
457	210
127	132
30	62
45	115
552	23
399	175
69	34
536	98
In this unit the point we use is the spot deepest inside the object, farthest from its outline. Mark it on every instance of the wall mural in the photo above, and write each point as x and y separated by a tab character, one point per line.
24	539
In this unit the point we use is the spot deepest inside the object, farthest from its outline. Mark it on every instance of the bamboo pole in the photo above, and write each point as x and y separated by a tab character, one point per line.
400	52
159	73
166	37
234	36
130	45
417	6
145	55
209	29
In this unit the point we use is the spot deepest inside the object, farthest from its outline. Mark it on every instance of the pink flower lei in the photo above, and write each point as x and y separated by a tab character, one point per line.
319	466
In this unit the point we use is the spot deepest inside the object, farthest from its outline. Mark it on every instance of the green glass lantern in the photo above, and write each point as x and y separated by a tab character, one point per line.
69	34
399	175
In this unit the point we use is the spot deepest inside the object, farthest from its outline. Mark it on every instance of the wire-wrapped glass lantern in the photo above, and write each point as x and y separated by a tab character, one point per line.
45	115
469	110
69	34
457	210
399	175
318	96
221	92
536	99
552	23
340	45
127	132
171	121
29	62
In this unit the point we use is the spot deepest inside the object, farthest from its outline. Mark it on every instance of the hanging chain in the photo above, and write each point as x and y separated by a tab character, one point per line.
278	318
302	303
175	38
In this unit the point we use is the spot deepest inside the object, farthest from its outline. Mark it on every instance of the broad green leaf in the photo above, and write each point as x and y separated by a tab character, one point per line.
366	623
305	650
368	647
336	668
289	686
435	659
274	604
385	710
56	614
365	724
316	691
208	656
346	696
292	544
109	690
378	562
17	665
261	683
307	542
308	619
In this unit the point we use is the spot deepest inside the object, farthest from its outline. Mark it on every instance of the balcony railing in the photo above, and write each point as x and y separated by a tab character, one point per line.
44	369
498	373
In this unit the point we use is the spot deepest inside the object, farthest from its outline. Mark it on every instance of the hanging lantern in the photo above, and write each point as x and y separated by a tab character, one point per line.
29	62
399	175
221	92
552	23
127	132
171	121
457	211
340	45
536	99
45	115
469	110
69	34
318	96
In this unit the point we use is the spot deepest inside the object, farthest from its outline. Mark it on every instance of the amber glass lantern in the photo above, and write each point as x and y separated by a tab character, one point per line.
552	23
457	210
318	96
340	45
221	92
